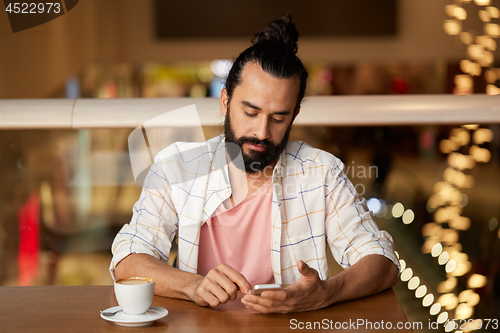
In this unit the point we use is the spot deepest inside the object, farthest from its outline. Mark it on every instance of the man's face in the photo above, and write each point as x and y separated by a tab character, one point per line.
259	116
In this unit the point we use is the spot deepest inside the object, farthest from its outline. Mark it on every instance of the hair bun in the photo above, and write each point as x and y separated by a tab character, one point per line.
280	31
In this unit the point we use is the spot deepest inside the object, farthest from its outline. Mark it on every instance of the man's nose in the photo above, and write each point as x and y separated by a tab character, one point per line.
262	129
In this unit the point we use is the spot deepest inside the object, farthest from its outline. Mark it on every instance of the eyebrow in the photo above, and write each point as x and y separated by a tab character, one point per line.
250	105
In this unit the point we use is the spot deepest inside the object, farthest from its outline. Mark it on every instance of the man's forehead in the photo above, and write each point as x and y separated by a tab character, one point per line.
256	83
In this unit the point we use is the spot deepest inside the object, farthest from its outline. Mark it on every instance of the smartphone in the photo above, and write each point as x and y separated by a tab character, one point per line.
259	288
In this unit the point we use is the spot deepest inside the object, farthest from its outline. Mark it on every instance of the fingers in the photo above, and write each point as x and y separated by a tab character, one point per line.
265	309
236	277
219	286
279	295
267	304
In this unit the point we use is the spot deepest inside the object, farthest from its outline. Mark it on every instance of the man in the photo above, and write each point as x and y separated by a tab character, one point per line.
262	213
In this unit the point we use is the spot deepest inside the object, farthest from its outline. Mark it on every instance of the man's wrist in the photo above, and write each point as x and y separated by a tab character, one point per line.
333	287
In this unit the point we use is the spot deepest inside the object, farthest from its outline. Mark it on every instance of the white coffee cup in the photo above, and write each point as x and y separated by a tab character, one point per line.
134	294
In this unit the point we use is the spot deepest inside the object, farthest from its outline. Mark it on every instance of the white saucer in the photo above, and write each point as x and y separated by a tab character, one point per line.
120	318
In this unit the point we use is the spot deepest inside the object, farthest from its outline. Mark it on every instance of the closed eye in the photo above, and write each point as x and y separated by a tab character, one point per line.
277	120
250	114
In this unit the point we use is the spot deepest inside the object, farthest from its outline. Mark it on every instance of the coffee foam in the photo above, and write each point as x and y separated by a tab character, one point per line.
134	281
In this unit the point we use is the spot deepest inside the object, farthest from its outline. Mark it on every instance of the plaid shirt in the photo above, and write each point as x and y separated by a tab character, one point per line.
314	205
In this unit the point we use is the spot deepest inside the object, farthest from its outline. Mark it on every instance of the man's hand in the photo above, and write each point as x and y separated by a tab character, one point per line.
220	285
308	293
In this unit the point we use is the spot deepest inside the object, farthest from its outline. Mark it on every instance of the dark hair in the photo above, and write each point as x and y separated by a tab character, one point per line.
274	49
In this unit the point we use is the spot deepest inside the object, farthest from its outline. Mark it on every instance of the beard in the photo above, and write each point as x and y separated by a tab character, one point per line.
254	161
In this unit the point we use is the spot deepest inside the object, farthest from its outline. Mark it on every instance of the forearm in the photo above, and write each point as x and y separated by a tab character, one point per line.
169	281
370	275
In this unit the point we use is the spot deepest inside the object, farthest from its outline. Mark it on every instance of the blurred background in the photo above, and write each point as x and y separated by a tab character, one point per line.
65	193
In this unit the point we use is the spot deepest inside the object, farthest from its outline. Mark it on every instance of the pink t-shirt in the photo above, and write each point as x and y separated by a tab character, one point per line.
240	237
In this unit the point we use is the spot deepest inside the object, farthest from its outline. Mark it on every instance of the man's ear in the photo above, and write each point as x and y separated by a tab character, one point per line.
223	102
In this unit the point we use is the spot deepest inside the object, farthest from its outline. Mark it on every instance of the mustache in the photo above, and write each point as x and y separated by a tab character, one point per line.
265	143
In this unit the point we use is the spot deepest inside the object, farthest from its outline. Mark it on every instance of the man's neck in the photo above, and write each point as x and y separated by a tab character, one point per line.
244	184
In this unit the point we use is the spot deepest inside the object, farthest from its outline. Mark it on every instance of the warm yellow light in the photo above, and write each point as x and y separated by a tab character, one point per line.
493	11
464	295
457	247
447	146
421	291
436	250
435	308
438	186
443	258
492	45
414	283
460	13
442	215
460	161
482	2
462	268
464	199
492	29
443	316
473	299
490	77
477	281
428	299
450	266
452	27
461	135
475	69
466	37
456	177
483	135
398	210
445	213
480	154
427	246
471	126
460	257
431	204
487	59
402	263
408	216
475	51
460	222
463	311
431	229
406	274
450	10
447	285
492	90
484	16
449	301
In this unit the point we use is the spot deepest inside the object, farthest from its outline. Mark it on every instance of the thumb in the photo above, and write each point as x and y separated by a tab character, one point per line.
304	269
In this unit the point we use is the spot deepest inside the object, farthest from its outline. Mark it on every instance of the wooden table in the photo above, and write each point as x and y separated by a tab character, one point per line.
76	309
